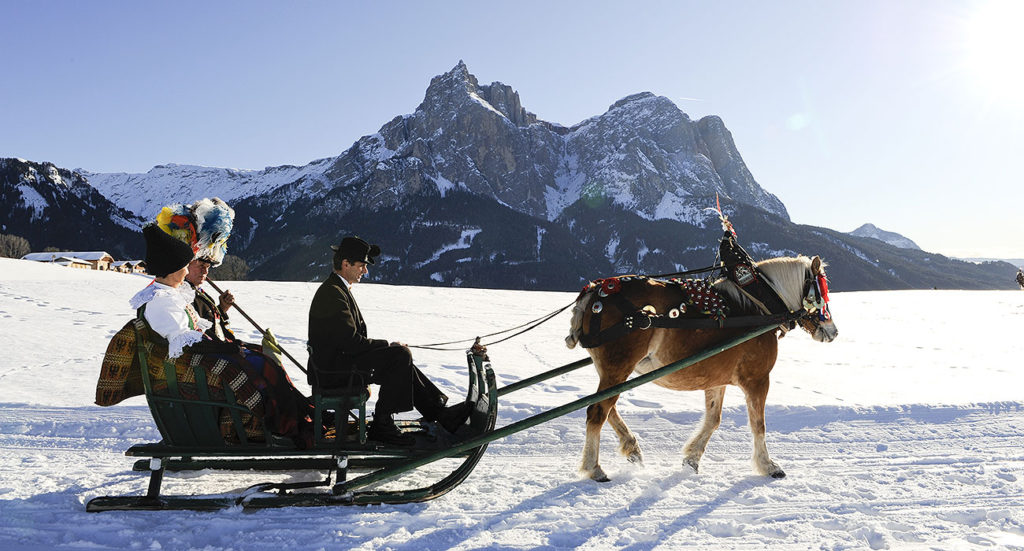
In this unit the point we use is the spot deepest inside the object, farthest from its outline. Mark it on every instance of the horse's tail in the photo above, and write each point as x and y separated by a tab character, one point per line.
576	325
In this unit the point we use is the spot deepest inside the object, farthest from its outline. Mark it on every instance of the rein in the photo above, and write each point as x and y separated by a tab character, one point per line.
530	325
533	324
639	319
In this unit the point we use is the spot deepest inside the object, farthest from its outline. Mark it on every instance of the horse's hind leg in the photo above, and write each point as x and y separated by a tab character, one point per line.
694	448
756	395
628	444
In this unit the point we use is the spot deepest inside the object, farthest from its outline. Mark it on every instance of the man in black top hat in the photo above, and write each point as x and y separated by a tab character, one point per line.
340	348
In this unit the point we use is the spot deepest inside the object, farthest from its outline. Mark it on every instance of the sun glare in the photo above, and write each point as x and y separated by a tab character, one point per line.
995	51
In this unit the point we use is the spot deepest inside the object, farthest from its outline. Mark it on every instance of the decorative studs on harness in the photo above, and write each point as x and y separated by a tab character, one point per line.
700	303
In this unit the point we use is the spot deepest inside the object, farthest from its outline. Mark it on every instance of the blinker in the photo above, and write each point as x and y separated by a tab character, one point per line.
816	298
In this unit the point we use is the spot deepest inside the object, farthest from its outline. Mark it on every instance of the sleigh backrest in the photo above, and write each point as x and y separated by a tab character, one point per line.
188	421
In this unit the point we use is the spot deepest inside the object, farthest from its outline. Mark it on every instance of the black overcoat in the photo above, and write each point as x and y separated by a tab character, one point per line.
337	331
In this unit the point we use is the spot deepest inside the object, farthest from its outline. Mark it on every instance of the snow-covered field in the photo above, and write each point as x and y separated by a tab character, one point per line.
907	432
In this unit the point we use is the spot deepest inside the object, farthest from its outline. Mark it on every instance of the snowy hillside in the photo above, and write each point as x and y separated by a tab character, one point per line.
906	432
145	194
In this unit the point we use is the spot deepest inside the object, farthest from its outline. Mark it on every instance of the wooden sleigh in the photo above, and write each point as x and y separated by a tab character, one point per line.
193	440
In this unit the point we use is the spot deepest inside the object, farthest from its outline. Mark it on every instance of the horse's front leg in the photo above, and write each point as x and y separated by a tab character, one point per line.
694	448
596	416
756	395
628	443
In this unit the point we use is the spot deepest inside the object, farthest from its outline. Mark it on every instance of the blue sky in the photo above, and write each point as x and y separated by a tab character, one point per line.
907	114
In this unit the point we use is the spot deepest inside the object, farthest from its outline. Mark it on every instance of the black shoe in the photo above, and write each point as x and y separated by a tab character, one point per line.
453	417
385	430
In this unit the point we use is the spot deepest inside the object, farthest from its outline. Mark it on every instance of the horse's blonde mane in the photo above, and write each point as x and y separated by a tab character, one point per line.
786	275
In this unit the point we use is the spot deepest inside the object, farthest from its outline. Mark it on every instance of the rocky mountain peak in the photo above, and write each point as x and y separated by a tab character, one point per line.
630	99
737	181
457	87
458	78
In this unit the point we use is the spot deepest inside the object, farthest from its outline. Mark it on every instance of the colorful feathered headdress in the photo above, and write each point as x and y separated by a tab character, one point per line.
204	225
178	221
214	219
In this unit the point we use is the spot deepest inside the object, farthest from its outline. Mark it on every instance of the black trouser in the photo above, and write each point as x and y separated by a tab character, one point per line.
402	385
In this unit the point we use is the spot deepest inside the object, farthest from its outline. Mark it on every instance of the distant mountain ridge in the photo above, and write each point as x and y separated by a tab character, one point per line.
174	183
471	189
892	238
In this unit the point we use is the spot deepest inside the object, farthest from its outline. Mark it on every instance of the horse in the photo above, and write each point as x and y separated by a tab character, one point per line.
795	280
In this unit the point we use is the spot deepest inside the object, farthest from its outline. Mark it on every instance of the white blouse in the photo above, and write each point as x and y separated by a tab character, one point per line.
169	312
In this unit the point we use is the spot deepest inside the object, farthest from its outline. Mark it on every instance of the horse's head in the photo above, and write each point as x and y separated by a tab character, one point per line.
818	321
802	284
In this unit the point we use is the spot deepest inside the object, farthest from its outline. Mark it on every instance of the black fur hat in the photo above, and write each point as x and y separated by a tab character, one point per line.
165	254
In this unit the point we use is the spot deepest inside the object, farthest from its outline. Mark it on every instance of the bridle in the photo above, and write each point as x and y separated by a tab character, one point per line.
816	296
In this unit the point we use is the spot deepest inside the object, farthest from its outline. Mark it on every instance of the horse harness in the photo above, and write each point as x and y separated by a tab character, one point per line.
702	306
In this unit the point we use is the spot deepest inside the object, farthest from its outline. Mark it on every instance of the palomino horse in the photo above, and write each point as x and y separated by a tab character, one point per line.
746	365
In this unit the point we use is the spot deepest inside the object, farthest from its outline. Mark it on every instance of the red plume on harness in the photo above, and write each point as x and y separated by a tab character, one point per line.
823	313
817	297
726	224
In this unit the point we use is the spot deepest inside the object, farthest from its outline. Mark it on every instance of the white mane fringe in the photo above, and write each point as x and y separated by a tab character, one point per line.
576	325
786	275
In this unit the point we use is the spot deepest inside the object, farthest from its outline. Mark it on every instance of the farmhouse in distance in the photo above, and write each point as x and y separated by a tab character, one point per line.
89	260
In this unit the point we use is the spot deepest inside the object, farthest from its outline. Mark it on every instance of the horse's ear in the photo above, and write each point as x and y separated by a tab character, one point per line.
816	265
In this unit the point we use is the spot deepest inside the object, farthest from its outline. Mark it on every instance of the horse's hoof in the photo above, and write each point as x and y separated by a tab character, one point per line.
778	474
693	463
597	475
602	478
635	458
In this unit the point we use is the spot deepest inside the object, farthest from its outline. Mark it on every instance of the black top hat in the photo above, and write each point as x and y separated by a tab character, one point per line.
354	249
165	254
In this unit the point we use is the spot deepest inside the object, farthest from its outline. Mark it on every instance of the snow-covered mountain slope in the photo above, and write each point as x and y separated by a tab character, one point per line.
904	433
53	207
145	194
892	238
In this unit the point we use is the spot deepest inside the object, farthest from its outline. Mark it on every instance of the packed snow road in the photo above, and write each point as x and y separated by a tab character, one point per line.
884	477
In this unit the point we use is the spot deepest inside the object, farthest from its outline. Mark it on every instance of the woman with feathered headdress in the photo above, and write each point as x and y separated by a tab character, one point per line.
181	234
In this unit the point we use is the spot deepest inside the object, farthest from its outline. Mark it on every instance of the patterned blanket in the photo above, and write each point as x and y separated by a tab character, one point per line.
121	377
